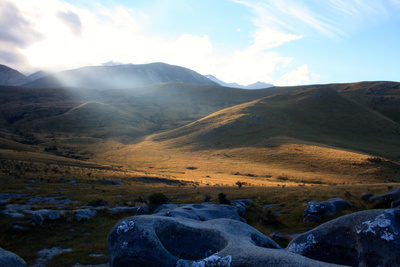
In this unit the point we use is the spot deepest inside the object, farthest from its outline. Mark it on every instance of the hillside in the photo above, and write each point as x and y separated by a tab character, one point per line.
320	116
42	114
9	76
120	76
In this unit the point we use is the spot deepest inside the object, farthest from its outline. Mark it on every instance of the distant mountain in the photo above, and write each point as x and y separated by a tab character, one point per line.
37	75
9	76
120	76
257	85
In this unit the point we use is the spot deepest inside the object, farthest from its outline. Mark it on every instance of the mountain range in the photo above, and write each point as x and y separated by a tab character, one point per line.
119	76
256	85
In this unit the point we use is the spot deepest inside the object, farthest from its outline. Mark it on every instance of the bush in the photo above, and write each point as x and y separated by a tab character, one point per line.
158	199
222	199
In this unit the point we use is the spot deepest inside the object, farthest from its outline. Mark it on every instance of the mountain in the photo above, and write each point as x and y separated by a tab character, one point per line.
120	76
9	76
321	116
37	75
257	85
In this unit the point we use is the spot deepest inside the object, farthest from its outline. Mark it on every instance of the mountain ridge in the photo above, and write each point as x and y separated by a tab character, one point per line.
120	76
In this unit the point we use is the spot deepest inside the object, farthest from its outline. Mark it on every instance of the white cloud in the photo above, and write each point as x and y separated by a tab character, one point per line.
301	75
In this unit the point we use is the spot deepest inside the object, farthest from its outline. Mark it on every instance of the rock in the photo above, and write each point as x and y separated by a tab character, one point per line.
164	207
98	203
84	214
38	219
388	197
203	212
111	182
367	196
154	240
12	213
45	255
241	205
365	238
8	258
395	204
278	237
137	210
315	210
18	228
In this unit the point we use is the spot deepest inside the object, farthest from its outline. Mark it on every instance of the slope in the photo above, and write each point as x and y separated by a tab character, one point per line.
94	119
120	76
314	115
9	76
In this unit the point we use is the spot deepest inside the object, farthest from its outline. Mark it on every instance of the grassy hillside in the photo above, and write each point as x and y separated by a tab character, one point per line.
314	115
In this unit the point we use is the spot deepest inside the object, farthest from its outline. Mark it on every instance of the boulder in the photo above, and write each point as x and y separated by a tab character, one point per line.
8	258
201	212
315	210
388	197
153	240
365	238
136	210
84	214
367	196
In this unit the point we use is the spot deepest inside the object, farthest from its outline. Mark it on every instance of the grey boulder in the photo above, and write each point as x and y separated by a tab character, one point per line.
315	210
152	240
365	238
388	197
201	212
8	258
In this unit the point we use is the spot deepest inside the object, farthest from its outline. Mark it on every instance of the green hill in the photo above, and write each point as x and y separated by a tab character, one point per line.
321	116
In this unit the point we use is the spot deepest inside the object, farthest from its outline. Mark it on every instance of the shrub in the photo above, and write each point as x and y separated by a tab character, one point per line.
240	184
222	199
158	199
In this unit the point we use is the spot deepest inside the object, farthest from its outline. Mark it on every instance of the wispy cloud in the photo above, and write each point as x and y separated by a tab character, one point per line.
332	18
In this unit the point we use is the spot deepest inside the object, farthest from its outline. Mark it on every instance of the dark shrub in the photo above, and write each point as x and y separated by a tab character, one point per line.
222	199
158	199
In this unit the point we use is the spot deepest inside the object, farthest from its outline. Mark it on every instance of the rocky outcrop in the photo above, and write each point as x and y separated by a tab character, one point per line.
315	210
366	238
8	258
152	240
195	235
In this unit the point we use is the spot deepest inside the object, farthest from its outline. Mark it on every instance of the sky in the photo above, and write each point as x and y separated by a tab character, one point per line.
283	42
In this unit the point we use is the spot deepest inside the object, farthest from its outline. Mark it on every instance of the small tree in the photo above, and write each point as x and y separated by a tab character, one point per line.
240	184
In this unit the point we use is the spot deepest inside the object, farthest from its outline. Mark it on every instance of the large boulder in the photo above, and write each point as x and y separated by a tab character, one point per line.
152	240
388	197
201	212
8	258
315	210
366	238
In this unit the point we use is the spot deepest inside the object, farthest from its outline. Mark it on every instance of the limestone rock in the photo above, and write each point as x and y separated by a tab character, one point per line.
388	197
365	238
84	214
153	240
315	210
201	212
8	258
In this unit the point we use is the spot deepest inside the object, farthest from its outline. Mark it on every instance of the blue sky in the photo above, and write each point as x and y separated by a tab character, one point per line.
284	42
